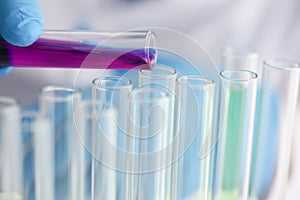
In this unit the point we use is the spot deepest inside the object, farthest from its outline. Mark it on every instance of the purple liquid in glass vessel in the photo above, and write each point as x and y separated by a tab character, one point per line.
46	53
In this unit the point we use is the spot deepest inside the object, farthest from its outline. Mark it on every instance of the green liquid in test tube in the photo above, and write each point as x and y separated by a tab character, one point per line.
235	141
232	152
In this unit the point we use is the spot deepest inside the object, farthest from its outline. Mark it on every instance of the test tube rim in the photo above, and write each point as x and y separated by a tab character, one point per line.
209	83
147	73
293	65
252	75
11	105
45	93
118	87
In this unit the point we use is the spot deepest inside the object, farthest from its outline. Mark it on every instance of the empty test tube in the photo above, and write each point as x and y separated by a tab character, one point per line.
38	156
194	111
104	136
99	134
61	106
164	78
116	92
84	49
149	111
276	116
11	171
236	132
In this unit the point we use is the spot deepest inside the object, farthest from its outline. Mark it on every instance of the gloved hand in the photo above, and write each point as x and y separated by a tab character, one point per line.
21	23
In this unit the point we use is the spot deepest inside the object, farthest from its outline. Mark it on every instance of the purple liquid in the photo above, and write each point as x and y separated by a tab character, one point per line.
46	53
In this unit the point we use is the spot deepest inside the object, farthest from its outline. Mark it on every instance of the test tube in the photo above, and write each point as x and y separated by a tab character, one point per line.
238	101
116	91
104	156
163	78
98	130
195	122
235	57
85	115
38	156
84	49
11	176
276	117
149	111
61	105
239	58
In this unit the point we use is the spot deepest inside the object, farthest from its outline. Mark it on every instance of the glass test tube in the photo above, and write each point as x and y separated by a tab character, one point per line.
235	141
195	114
239	58
11	176
277	107
99	129
164	78
38	156
242	58
85	115
84	49
149	111
116	90
61	106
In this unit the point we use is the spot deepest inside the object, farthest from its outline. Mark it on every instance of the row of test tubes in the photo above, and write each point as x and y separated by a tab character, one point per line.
155	141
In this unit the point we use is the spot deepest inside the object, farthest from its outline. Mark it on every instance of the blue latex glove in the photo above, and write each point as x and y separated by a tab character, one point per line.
21	23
